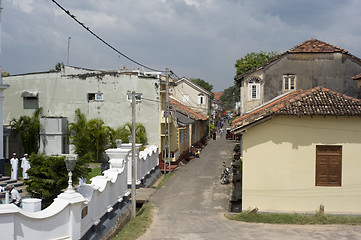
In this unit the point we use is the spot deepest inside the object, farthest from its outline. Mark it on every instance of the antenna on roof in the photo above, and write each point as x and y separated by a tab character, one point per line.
67	62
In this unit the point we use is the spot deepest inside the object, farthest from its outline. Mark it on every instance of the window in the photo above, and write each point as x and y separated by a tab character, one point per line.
289	82
200	98
138	97
95	96
30	100
254	86
328	165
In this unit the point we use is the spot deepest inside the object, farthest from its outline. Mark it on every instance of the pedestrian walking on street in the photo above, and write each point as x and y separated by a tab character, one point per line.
14	161
25	165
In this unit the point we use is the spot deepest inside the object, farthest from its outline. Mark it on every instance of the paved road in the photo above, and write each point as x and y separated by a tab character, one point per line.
192	205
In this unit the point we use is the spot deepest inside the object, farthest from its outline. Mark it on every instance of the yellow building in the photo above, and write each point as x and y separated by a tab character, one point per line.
301	151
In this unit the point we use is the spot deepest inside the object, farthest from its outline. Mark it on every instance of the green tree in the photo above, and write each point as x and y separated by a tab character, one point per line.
48	177
230	95
59	66
4	74
125	131
77	134
28	128
97	135
90	138
203	84
253	60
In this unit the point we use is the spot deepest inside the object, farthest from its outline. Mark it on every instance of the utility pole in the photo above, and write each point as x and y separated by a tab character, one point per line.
134	172
67	62
167	146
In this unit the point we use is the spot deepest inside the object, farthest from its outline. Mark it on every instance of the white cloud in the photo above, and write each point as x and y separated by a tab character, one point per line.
25	6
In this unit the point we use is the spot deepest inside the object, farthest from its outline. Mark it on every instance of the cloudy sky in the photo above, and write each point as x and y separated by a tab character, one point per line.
194	38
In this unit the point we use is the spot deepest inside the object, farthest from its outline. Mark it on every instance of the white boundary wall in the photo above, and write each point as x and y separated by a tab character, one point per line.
73	214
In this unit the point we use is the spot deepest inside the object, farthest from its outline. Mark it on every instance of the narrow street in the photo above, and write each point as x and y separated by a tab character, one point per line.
192	204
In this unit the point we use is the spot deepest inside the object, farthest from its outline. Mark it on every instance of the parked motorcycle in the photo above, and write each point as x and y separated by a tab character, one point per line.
197	152
225	176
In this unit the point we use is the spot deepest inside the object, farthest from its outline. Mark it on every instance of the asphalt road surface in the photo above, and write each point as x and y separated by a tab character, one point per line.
192	204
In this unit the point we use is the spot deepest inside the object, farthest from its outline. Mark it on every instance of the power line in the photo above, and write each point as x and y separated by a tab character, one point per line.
99	38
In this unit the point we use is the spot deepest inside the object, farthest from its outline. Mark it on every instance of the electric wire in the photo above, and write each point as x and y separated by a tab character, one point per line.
100	39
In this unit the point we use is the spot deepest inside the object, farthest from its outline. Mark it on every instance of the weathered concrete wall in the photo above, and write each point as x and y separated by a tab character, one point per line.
331	70
60	93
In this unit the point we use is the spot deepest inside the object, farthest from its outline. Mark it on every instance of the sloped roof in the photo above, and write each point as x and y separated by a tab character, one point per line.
193	85
312	102
178	106
217	95
310	46
315	46
357	77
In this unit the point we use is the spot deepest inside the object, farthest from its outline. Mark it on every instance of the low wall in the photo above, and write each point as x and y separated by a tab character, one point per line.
146	162
87	213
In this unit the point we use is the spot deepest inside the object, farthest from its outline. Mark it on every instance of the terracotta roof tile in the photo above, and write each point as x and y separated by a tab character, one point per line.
315	46
217	95
311	102
186	110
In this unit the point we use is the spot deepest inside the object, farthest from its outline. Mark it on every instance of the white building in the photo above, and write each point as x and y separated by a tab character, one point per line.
104	94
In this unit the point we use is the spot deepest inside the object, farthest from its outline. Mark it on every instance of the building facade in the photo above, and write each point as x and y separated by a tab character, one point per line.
103	94
300	153
310	64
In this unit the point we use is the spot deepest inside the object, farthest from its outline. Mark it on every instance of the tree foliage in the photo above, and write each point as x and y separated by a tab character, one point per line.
59	66
4	74
125	131
203	84
253	60
90	138
229	95
98	137
48	176
28	128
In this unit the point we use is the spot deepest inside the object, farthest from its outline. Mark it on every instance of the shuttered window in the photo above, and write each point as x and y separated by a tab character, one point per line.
328	165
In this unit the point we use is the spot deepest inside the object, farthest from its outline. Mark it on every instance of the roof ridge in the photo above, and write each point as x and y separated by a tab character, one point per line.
186	108
314	45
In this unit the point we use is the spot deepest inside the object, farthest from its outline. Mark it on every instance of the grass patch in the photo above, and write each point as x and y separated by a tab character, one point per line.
164	179
94	172
139	225
280	218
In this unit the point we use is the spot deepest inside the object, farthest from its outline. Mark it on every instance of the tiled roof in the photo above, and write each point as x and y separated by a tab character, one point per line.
217	95
357	77
186	110
315	101
315	46
310	46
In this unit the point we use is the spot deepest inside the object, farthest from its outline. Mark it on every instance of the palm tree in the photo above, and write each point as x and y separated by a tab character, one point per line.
98	137
140	134
28	128
77	134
